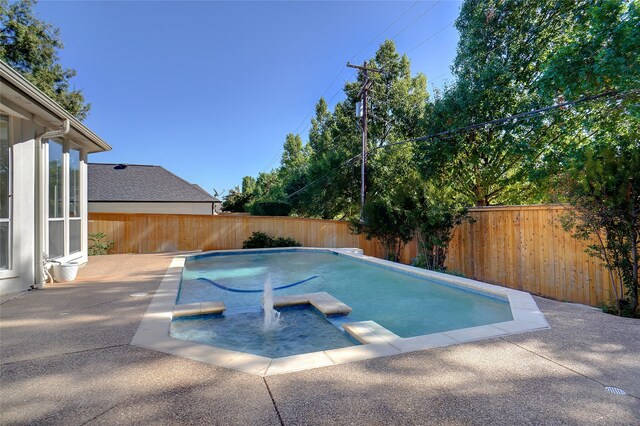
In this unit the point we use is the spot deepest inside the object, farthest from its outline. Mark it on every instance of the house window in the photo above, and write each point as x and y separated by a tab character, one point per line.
75	221
56	197
5	194
65	204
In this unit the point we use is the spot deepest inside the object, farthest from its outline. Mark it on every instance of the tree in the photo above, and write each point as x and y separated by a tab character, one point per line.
294	155
268	188
236	201
604	187
503	46
333	139
602	180
600	53
387	219
396	104
248	184
30	46
440	210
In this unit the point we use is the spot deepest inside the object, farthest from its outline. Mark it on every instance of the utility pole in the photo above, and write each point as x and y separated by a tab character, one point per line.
363	96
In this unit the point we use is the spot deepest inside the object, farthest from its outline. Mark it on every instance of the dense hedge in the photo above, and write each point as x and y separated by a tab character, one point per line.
262	240
271	208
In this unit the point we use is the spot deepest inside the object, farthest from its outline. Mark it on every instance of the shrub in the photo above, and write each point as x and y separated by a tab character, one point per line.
271	208
98	247
262	240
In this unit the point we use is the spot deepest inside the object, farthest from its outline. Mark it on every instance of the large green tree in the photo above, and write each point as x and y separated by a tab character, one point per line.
503	46
602	176
31	46
396	105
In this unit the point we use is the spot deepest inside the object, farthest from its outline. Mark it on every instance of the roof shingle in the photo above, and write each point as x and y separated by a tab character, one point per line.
146	183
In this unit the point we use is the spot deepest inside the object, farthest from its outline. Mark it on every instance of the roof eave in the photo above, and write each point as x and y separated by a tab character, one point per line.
21	84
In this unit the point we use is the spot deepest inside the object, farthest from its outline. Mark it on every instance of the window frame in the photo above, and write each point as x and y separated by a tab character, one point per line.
78	201
63	198
67	255
9	219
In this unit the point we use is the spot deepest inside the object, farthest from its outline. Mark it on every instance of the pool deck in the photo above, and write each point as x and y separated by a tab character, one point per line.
66	358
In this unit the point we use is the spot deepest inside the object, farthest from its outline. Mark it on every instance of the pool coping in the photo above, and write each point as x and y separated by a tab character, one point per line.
153	332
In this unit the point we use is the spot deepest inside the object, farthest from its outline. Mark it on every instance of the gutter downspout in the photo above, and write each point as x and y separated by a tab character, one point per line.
41	202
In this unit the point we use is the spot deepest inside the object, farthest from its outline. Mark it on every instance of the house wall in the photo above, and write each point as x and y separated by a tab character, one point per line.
24	165
150	208
20	276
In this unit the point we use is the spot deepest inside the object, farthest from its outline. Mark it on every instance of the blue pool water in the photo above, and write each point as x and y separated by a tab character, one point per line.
405	304
300	330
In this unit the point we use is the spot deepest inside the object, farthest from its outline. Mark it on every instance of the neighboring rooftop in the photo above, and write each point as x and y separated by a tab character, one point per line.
142	183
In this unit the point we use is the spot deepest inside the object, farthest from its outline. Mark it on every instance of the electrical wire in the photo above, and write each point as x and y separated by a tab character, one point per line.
516	117
342	68
415	20
385	30
438	77
429	38
491	123
369	44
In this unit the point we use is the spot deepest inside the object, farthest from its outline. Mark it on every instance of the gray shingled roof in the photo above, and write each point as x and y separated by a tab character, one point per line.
145	183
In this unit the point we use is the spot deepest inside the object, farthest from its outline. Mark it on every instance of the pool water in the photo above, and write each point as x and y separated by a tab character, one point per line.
407	305
300	330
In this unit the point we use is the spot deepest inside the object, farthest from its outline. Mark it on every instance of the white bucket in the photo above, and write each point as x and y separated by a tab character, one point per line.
65	272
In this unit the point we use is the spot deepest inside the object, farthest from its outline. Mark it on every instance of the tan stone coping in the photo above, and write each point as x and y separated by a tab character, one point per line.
322	301
153	332
367	332
198	308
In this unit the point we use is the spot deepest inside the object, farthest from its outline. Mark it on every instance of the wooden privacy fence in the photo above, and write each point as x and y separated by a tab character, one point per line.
526	248
154	233
521	247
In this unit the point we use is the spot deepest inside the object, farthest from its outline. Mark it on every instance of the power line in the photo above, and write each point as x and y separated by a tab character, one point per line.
323	93
430	37
306	118
385	30
515	117
364	48
415	20
305	128
495	122
360	51
438	77
273	159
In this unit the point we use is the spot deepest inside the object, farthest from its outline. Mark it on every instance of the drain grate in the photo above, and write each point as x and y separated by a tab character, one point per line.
615	390
138	294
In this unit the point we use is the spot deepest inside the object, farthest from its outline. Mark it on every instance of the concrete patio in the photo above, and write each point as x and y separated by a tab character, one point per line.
66	358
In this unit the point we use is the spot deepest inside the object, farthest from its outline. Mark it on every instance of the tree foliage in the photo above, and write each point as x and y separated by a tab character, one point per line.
262	240
502	47
236	201
31	46
602	176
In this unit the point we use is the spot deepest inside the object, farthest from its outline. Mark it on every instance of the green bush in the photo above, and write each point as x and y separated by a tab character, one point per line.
262	240
271	208
98	247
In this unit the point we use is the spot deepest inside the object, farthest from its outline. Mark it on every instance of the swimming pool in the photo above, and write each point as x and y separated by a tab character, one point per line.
393	309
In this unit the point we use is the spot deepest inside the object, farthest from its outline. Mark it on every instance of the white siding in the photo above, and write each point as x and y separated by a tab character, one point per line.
22	273
20	276
151	208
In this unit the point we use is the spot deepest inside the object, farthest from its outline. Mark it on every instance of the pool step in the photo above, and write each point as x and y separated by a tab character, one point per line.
198	308
369	332
322	301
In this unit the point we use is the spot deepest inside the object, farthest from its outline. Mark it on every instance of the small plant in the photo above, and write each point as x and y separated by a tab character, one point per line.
620	308
97	246
262	240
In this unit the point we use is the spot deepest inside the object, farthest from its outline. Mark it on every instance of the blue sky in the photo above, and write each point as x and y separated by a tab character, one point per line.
209	90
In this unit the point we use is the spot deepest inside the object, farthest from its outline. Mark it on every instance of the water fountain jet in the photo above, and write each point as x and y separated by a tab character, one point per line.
271	316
